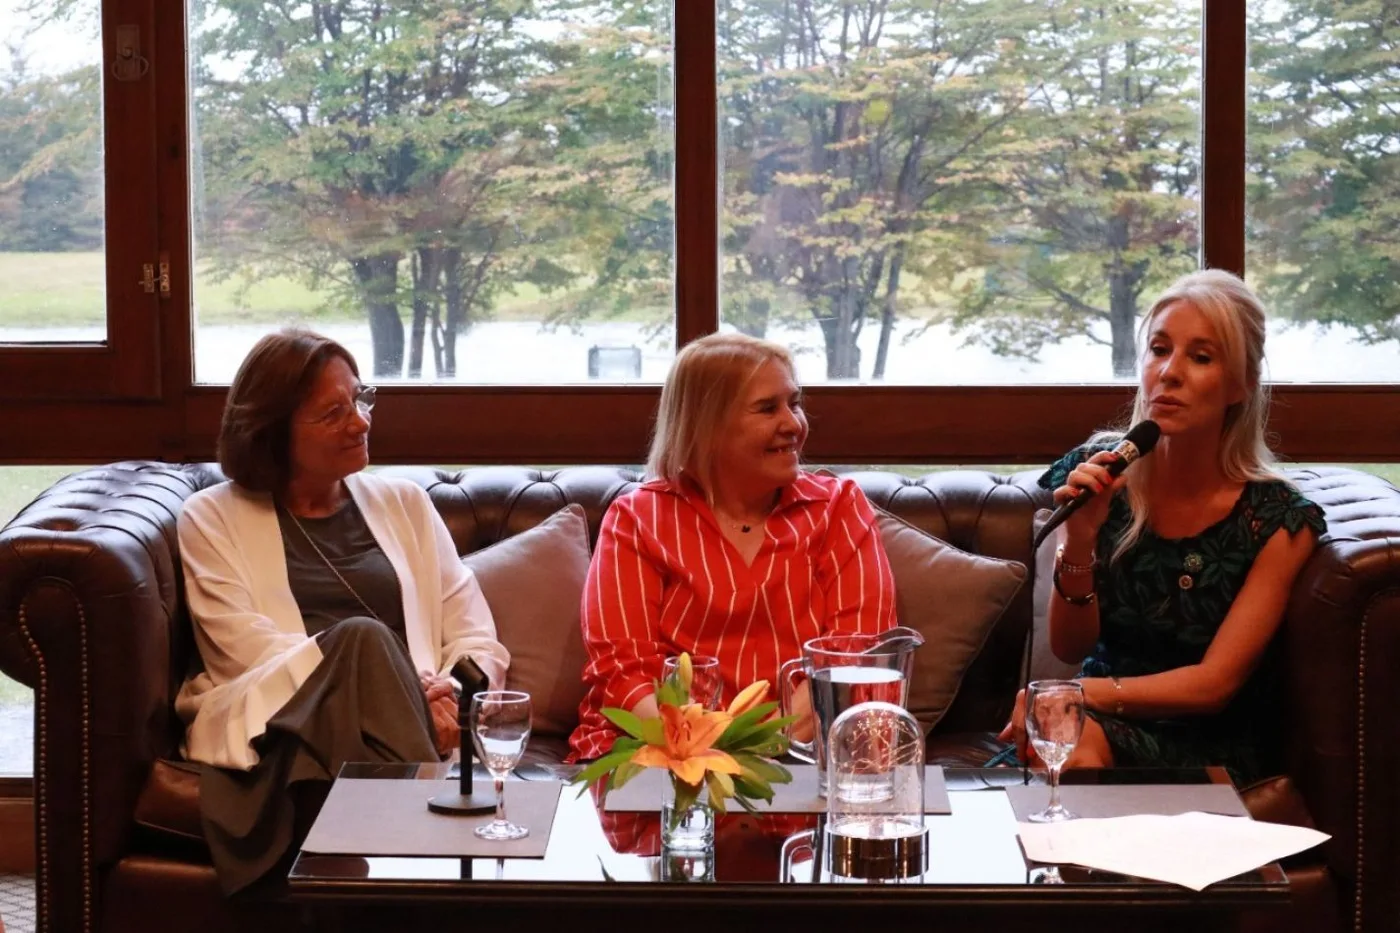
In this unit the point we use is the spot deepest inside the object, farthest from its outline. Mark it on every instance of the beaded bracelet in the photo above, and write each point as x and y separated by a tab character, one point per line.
1067	567
1072	600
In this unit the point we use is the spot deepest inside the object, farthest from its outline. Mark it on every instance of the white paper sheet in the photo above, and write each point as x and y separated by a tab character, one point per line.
1190	849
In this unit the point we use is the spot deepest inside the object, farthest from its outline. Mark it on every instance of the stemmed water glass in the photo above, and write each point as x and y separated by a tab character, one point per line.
1054	723
706	681
500	731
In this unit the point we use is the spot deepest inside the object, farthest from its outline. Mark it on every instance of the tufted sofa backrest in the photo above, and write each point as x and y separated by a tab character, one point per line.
119	520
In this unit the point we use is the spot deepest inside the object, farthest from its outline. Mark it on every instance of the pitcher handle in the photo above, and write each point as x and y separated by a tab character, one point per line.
793	846
802	751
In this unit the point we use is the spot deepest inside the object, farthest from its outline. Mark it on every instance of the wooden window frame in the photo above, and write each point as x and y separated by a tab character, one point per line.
127	364
610	424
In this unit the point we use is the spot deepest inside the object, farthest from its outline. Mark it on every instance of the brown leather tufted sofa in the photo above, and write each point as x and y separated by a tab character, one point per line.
91	616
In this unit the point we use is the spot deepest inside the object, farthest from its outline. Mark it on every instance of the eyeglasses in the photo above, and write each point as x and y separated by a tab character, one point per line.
338	415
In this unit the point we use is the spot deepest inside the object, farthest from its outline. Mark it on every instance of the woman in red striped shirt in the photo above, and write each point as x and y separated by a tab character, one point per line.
731	550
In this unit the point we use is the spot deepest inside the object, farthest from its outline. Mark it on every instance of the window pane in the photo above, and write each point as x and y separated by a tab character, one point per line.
1324	185
975	191
18	487
16	729
51	191
458	190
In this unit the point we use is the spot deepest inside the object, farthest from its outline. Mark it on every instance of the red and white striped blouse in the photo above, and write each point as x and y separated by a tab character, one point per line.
664	579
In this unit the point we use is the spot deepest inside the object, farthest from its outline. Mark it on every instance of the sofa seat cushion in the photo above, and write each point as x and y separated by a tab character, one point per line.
168	807
545	750
1313	905
1278	800
156	894
962	749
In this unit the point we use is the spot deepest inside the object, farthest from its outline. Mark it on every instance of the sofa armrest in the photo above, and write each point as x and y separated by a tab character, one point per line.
88	599
1342	643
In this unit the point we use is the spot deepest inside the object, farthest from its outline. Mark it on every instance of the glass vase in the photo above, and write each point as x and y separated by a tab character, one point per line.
686	866
687	820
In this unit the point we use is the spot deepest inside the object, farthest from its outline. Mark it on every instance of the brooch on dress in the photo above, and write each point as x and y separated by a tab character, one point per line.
1193	563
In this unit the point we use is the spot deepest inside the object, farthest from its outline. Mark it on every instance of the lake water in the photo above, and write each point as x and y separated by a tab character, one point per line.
504	353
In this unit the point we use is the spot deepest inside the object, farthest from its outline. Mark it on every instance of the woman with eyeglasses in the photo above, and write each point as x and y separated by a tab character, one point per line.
329	607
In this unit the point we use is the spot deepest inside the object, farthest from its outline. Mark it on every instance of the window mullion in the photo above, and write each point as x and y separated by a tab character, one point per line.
129	126
1225	62
697	171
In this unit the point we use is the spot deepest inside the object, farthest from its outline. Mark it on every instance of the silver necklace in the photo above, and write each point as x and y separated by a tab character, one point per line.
319	553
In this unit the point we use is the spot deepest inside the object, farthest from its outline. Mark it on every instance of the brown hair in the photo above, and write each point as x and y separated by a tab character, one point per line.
700	393
255	438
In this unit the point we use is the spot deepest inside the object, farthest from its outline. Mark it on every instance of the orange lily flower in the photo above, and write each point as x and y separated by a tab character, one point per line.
689	732
748	698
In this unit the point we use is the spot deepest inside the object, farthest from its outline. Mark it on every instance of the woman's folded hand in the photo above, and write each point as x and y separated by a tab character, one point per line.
445	731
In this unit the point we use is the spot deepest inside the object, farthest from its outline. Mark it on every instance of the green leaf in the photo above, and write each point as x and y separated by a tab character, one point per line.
761	768
718	790
602	766
654	732
669	693
749	717
624	720
746	787
772	749
686	795
626	772
759	734
743	724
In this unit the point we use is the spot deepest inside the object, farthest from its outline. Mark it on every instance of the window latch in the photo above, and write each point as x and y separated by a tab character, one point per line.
150	281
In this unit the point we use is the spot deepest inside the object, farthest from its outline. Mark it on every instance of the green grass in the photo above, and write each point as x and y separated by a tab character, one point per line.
67	290
52	289
1390	472
18	487
20	484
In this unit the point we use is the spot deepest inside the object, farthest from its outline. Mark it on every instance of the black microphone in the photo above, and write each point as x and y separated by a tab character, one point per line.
1136	444
473	680
466	800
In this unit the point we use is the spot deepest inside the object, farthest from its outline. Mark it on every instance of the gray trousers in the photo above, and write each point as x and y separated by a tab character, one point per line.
362	703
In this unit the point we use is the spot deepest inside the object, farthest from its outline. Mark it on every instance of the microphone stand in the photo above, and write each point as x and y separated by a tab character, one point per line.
466	801
1036	542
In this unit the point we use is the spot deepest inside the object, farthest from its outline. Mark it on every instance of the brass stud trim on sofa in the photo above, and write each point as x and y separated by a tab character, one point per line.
41	809
1356	904
41	826
1357	900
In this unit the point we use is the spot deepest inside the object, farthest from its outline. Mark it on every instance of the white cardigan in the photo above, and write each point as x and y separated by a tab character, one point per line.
250	632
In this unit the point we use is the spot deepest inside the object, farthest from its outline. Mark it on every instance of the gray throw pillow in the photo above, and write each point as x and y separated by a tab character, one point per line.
533	582
953	598
1044	664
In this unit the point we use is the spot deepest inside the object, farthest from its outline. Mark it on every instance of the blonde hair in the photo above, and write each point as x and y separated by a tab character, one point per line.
1236	315
706	382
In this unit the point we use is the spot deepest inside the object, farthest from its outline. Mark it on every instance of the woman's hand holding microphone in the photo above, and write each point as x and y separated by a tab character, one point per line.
1091	478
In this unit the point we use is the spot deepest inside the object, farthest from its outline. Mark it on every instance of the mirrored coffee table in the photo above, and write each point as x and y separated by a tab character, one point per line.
604	871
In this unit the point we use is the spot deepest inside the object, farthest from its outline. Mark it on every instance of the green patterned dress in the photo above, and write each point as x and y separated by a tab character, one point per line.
1161	603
